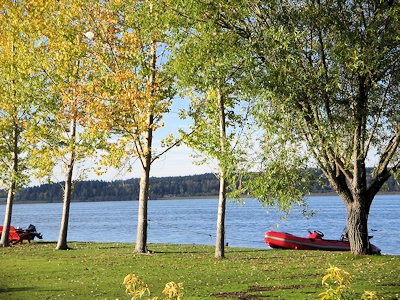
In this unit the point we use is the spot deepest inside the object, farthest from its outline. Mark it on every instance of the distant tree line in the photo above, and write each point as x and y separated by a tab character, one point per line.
123	190
204	185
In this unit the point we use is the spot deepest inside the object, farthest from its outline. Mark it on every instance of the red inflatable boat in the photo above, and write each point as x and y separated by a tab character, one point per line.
313	241
19	235
13	235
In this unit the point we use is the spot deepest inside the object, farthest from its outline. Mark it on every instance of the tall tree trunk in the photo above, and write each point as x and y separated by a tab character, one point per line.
358	205
14	170
220	239
357	226
358	208
7	217
62	237
146	160
11	191
141	231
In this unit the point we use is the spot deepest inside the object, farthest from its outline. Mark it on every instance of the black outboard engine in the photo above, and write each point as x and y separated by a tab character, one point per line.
31	230
345	236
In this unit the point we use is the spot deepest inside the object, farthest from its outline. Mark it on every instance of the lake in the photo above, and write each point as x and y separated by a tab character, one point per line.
193	221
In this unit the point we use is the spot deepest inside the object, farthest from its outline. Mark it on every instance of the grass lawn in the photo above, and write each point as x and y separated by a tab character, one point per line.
96	271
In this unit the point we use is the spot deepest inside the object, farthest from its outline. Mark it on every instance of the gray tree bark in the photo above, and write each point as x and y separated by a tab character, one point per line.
357	226
62	237
141	231
11	191
220	236
146	160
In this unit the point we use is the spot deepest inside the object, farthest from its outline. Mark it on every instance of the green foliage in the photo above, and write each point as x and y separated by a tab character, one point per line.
211	70
327	76
205	135
217	53
330	76
21	91
280	176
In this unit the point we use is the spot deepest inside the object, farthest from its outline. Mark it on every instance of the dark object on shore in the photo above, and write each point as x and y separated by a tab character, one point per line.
18	234
314	241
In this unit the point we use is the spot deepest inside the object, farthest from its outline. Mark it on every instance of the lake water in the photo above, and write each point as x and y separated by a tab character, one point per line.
194	221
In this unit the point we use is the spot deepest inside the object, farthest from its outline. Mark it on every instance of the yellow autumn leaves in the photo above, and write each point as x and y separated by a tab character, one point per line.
337	282
137	289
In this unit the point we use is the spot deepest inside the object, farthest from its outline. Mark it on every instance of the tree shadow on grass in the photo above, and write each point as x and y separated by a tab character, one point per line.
25	289
16	289
180	252
209	251
248	296
245	250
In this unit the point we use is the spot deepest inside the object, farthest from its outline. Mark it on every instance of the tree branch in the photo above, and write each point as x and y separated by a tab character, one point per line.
379	180
176	143
359	182
389	152
375	126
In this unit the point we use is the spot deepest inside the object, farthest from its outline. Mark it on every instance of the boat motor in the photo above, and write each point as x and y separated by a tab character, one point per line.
315	235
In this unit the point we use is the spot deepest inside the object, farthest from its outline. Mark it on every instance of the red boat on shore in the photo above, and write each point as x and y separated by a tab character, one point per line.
314	241
18	235
13	236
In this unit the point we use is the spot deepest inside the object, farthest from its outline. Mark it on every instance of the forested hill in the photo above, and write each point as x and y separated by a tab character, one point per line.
204	185
121	190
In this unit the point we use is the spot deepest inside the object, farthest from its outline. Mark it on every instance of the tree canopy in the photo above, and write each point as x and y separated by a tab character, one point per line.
21	90
329	75
321	77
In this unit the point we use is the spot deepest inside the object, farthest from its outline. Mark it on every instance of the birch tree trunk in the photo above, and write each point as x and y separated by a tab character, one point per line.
146	160
220	239
11	191
220	236
62	237
13	185
141	231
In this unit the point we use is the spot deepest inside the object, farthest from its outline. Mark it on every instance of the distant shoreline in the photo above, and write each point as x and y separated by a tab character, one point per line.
162	188
3	200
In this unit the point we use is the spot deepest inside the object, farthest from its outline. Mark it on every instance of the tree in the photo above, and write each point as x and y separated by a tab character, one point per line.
65	136
132	91
330	70
212	74
19	101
